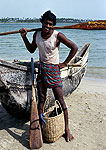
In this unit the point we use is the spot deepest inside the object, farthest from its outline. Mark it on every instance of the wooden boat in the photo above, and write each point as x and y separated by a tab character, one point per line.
15	82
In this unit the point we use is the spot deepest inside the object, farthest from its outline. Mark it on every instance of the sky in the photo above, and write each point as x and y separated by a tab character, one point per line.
77	9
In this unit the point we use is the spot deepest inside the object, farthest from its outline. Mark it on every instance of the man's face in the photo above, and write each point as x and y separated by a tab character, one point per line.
47	26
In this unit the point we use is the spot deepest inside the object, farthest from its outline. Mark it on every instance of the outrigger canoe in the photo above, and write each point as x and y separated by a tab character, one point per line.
15	82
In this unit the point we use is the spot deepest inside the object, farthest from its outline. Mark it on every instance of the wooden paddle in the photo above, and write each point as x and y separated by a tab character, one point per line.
35	138
91	25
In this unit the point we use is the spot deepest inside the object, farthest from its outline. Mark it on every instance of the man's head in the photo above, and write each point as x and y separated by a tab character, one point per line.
48	15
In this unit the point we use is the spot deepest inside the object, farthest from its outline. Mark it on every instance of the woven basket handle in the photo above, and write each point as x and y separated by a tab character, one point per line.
58	103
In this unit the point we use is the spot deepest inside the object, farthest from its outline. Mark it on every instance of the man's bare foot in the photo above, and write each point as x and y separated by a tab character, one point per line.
68	136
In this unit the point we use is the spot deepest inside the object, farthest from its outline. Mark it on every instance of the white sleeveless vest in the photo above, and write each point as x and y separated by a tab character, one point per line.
48	52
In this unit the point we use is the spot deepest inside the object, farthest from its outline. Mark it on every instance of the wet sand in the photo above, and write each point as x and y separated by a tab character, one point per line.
87	121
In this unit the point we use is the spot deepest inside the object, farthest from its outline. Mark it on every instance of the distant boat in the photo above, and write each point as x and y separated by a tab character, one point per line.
15	82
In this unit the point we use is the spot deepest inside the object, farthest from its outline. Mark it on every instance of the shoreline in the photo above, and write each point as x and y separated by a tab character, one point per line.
87	121
94	78
96	75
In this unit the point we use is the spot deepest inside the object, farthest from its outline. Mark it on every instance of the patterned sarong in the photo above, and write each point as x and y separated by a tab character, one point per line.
50	75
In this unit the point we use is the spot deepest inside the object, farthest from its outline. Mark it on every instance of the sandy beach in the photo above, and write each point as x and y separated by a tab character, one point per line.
87	121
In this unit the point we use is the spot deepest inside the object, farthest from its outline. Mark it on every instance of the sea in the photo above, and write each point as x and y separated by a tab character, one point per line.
12	46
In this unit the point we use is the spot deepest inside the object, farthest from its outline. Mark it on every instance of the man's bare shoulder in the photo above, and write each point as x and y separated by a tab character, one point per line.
61	37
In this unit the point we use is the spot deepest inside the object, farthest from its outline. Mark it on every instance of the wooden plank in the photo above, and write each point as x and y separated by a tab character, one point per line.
35	128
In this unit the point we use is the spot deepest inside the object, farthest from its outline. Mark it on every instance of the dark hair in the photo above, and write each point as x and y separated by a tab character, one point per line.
48	15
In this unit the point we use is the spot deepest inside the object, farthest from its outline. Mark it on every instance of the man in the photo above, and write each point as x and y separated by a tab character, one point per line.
48	40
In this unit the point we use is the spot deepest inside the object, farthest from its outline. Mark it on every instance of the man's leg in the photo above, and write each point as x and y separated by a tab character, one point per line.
42	90
58	93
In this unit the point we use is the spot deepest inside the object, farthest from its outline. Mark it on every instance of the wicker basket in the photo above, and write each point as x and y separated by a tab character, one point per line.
55	124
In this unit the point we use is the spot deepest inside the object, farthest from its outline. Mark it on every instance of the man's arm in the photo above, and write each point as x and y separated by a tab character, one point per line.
30	46
62	38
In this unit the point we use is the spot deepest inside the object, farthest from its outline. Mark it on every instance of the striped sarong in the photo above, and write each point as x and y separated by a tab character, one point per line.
49	74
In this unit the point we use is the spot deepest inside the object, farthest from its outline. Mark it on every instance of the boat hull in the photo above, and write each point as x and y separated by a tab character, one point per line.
15	85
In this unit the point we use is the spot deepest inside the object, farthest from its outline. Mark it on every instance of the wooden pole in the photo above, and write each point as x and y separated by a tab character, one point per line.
35	138
15	32
91	25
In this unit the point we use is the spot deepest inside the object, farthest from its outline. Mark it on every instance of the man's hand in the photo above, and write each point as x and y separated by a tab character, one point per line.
62	65
23	32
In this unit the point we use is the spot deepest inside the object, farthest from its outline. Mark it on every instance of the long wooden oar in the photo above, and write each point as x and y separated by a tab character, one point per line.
91	25
15	32
35	139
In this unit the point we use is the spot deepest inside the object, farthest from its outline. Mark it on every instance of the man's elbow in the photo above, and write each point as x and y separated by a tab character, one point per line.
75	48
31	49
